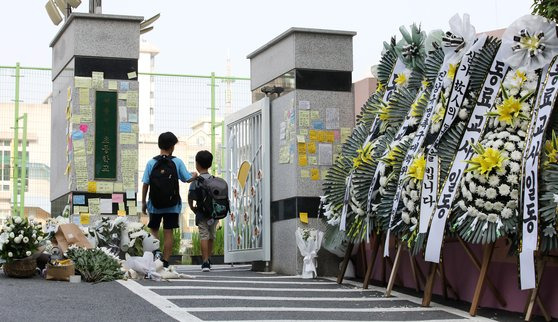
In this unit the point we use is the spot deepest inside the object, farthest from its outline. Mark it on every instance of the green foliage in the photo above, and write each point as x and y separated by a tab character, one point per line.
20	238
196	245
176	239
546	8
219	242
95	265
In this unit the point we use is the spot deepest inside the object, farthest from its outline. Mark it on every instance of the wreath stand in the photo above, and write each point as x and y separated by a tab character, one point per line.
487	251
533	297
417	272
345	263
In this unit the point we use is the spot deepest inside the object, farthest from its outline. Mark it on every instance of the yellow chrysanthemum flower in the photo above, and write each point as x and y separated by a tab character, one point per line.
485	160
379	87
383	112
417	167
451	71
521	75
425	83
508	110
551	150
401	79
364	155
439	116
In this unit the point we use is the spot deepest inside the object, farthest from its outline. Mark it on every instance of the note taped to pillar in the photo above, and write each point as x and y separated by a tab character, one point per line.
106	140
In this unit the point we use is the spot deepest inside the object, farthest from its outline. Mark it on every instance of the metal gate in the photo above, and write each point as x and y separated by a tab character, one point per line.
247	228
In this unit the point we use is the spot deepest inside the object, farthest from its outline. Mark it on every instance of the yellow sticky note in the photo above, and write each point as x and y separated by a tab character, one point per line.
321	136
122	213
312	147
315	174
304	173
84	218
303	217
92	186
313	135
112	84
329	136
302	160
301	148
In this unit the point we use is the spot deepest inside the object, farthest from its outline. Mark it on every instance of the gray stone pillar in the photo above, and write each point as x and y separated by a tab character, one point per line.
94	116
309	119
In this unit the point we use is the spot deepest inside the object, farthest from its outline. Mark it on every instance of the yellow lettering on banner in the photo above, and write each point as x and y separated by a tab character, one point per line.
315	174
303	217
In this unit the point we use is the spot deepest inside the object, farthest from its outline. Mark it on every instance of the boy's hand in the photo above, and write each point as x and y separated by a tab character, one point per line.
144	208
194	175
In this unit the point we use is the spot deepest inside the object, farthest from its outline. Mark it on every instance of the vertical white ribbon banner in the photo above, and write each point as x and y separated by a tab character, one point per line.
530	185
474	130
460	87
418	139
390	88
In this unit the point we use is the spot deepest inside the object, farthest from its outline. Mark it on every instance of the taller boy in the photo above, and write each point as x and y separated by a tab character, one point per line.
160	178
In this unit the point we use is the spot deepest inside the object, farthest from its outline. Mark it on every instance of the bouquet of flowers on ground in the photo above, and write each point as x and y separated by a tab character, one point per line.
20	238
108	233
96	264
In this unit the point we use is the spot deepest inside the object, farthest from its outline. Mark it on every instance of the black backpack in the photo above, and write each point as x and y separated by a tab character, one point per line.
214	197
163	183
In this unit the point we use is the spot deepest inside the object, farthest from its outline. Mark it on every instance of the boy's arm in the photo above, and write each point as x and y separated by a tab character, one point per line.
144	198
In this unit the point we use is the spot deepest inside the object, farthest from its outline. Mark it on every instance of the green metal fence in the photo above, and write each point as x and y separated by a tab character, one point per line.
191	106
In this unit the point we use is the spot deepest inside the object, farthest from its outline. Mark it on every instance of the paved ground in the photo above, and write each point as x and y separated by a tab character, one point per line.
225	294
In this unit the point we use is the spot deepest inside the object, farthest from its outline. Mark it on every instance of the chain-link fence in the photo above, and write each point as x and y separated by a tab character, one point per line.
183	104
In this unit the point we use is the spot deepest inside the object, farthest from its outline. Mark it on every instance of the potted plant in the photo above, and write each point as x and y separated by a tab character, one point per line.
19	241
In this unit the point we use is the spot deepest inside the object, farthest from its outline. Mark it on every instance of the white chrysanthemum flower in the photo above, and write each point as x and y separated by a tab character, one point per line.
498	206
491	193
25	240
414	195
521	133
405	217
512	204
514	194
411	205
493	181
18	239
506	213
468	176
463	115
481	190
18	220
40	238
10	254
479	202
435	127
472	211
472	187
492	217
482	216
468	196
521	145
488	206
462	205
383	181
513	91
414	220
28	253
412	184
481	179
516	155
12	235
514	167
504	189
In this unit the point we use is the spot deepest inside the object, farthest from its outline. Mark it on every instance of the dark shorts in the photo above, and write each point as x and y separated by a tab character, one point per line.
170	221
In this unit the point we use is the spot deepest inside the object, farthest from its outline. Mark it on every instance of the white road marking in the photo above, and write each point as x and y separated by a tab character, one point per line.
158	301
305	309
278	298
232	288
255	282
242	277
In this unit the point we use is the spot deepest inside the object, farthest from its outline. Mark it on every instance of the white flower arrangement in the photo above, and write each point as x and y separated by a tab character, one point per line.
490	188
20	238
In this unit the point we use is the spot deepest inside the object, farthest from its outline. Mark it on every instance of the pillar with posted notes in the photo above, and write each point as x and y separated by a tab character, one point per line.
94	116
306	73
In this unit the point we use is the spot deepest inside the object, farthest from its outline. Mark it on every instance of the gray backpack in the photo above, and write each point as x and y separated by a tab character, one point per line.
214	193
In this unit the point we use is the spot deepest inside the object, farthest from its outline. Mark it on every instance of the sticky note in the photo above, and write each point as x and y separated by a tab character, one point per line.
301	148
78	199
117	197
121	206
303	132
300	139
313	135
131	203
130	194
311	147
132	75
84	218
82	82
329	136
122	96
112	85
124	86
128	138
304	105
118	187
84	96
302	160
133	211
313	160
304	173
303	217
314	115
125	127
106	206
121	213
105	187
92	186
315	174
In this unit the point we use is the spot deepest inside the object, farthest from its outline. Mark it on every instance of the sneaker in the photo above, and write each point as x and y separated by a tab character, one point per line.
206	267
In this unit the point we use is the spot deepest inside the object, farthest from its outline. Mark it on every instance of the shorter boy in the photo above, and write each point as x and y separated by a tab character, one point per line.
206	224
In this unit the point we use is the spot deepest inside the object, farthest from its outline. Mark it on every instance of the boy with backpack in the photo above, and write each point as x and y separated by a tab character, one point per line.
160	178
211	195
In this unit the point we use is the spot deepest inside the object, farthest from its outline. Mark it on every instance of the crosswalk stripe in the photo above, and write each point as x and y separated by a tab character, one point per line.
278	298
241	277
188	287
195	280
304	309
